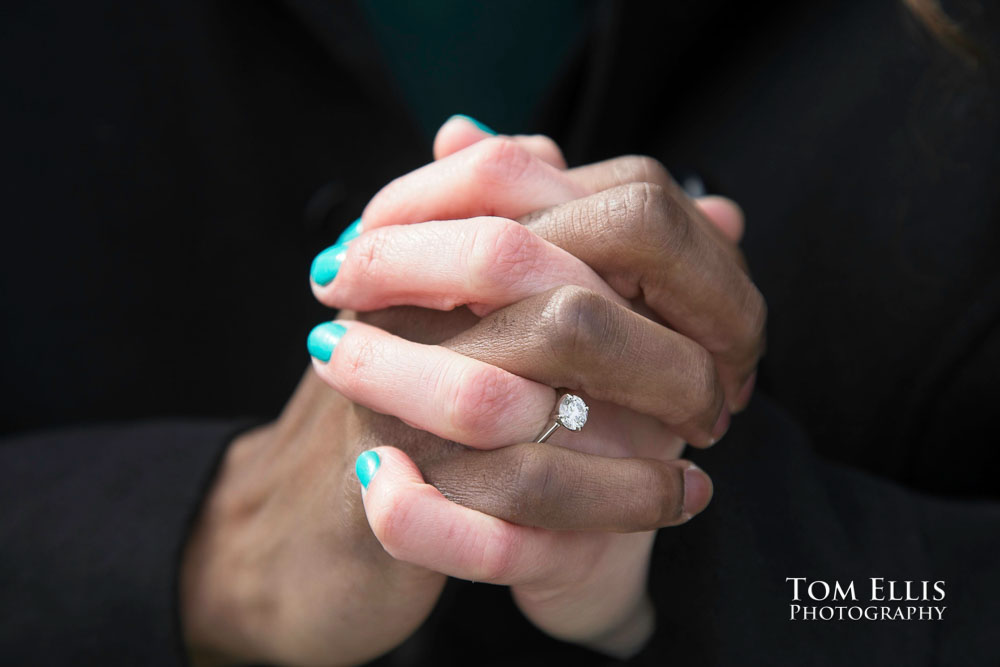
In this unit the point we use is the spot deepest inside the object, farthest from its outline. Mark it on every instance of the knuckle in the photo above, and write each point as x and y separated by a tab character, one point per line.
479	401
360	360
660	221
499	161
498	555
644	168
576	322
389	523
365	257
628	208
648	218
502	254
534	482
639	196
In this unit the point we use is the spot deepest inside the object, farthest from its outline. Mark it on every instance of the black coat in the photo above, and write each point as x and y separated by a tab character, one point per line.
170	169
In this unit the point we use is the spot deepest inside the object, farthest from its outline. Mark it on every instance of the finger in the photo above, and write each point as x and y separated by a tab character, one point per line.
417	524
510	176
557	488
616	171
494	176
460	132
723	213
645	242
574	338
486	263
430	387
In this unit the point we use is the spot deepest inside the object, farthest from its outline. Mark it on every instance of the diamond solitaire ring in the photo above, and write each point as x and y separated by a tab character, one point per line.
571	413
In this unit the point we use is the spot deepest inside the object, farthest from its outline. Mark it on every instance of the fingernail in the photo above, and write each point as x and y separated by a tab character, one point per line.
721	425
743	397
352	232
481	126
697	491
327	263
366	466
323	338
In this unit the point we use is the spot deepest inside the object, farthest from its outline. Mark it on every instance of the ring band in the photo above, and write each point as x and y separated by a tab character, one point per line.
571	414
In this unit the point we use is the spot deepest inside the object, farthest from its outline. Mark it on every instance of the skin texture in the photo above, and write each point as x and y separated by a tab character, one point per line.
290	564
645	241
571	337
624	218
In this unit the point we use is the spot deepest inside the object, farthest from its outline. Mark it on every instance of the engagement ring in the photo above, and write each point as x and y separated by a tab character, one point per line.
571	413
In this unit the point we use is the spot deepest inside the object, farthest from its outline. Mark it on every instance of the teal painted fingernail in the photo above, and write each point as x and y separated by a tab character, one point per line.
481	126
366	466
352	232
327	263
323	338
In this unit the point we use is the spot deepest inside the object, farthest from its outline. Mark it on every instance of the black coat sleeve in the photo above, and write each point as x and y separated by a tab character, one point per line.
93	526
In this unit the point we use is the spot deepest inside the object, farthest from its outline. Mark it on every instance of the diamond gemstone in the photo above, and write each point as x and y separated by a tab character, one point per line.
572	412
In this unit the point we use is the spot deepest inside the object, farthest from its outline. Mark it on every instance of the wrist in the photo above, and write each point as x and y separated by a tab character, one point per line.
629	636
620	633
222	598
606	607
